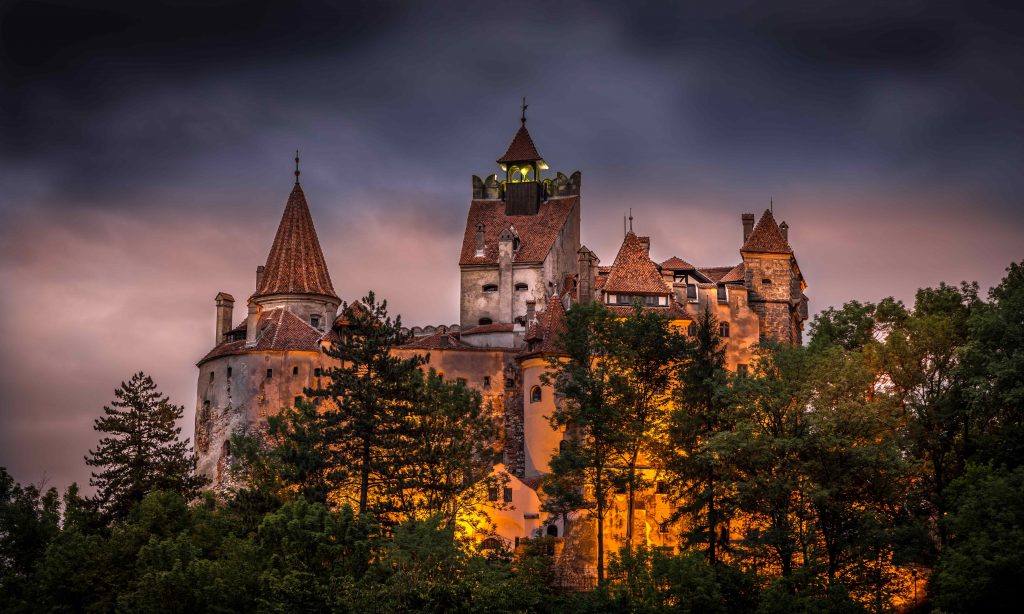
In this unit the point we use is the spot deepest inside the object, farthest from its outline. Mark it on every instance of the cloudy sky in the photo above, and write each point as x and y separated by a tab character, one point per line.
146	155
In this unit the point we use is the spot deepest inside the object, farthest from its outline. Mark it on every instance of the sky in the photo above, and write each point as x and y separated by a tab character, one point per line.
146	156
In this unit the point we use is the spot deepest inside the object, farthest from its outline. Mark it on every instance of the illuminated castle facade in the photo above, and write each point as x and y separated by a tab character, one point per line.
522	266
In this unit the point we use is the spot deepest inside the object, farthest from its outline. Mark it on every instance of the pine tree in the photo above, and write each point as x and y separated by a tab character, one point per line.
140	451
368	398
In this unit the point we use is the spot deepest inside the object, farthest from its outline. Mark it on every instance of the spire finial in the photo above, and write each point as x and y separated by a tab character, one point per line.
631	219
771	204
296	167
523	118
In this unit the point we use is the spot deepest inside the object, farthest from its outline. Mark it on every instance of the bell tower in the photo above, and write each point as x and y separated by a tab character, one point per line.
522	165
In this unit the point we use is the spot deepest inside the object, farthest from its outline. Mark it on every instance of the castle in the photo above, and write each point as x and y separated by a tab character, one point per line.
522	266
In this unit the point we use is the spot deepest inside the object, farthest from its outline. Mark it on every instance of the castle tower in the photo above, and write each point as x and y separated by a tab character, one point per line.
520	245
772	276
263	364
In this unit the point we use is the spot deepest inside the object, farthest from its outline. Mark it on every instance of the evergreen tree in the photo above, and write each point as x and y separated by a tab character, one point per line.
642	352
591	391
141	450
703	407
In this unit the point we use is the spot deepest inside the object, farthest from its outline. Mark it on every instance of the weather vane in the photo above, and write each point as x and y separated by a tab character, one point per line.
296	167
523	118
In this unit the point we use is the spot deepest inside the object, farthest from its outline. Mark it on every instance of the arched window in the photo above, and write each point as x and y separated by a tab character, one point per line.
484	321
521	286
491	288
723	329
535	394
552	530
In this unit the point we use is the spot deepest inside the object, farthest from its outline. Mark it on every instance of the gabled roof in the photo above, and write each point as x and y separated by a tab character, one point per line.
537	233
766	238
715	273
279	330
736	274
677	264
441	340
296	264
543	336
633	272
521	149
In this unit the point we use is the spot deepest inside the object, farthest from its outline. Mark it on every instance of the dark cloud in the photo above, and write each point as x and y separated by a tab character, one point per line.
145	156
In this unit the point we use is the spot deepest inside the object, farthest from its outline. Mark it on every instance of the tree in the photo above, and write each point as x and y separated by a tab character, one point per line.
443	455
591	392
642	350
368	394
29	520
703	407
140	451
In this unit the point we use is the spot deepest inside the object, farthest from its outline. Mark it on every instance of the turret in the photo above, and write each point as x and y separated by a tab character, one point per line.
773	280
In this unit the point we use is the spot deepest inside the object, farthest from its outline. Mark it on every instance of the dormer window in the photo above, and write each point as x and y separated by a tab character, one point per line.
515	245
491	288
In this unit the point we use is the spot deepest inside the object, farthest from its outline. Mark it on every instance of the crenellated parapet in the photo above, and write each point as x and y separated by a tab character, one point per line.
491	188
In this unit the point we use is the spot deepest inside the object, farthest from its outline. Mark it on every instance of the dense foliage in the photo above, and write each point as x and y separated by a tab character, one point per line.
878	468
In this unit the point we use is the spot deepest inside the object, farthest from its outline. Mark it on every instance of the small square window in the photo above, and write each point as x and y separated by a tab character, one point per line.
270	373
295	370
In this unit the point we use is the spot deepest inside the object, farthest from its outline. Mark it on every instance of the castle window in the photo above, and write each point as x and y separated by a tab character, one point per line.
229	371
211	377
295	371
561	445
487	381
678	277
317	372
691	330
723	329
314	321
723	296
535	394
552	530
484	321
508	495
766	282
492	493
491	288
691	292
520	287
661	488
515	244
270	373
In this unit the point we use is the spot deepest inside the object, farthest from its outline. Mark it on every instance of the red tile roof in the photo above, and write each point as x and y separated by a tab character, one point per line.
735	274
537	233
296	264
715	273
677	264
521	149
766	237
279	330
633	272
544	335
438	341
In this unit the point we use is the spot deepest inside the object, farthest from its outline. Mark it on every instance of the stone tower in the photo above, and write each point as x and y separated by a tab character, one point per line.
264	363
772	276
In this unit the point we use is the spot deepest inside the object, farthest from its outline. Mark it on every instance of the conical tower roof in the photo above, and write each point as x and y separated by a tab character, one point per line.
296	264
521	149
766	238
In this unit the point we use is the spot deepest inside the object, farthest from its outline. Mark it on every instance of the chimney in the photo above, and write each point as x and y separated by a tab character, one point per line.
585	276
784	227
225	308
646	243
259	275
531	312
252	323
480	240
748	225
